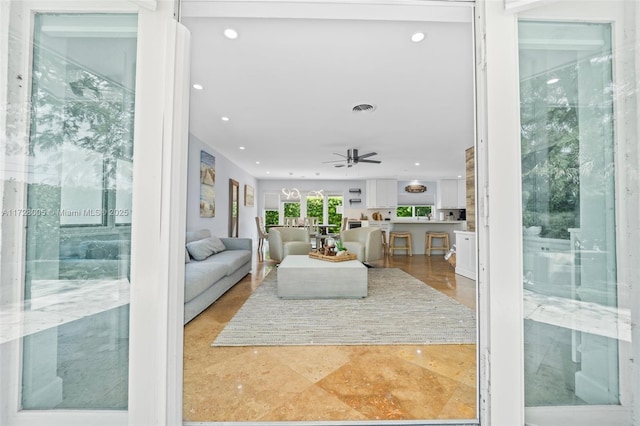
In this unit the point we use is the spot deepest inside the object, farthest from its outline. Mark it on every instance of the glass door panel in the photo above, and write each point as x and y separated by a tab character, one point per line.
78	213
573	327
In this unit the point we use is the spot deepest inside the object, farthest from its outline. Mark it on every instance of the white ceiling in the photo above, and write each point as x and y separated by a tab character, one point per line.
289	85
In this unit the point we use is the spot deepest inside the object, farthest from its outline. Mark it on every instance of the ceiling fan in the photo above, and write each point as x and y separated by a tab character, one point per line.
353	157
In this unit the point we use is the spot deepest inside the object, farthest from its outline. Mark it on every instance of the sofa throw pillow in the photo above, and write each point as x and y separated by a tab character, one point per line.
187	259
204	248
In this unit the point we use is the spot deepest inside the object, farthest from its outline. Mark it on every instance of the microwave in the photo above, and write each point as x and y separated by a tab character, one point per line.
357	224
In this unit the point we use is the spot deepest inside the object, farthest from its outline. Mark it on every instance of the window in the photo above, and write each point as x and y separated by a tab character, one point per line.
413	211
291	209
315	206
271	217
334	210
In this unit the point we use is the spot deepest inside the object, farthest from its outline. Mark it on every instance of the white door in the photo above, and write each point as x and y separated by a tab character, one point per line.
566	89
93	130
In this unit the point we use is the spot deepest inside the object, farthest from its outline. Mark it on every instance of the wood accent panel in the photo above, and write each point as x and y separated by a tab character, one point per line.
470	161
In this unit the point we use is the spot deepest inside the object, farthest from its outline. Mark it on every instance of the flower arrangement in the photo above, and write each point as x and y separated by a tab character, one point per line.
340	248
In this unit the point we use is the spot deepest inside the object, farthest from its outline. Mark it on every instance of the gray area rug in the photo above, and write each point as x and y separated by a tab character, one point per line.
400	309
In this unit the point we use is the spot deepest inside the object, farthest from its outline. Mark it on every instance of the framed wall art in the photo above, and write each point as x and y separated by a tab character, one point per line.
248	196
207	185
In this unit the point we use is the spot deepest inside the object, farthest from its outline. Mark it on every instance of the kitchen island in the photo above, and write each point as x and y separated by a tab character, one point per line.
418	228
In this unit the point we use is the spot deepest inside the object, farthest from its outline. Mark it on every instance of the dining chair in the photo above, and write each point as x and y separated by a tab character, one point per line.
311	223
262	234
290	221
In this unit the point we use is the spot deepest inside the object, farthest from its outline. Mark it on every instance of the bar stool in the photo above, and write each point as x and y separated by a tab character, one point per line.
428	242
400	234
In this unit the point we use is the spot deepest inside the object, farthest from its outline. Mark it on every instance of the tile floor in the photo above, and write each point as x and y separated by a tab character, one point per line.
329	382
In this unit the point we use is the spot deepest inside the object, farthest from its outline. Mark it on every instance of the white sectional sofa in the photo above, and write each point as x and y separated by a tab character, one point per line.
207	277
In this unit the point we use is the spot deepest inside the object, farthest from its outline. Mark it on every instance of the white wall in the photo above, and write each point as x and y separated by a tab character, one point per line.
225	170
422	198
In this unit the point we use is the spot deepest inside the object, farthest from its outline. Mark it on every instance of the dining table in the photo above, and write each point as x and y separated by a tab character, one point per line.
324	229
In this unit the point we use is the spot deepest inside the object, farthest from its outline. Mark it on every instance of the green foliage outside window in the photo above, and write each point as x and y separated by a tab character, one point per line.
271	217
335	218
314	207
292	209
404	211
412	211
422	210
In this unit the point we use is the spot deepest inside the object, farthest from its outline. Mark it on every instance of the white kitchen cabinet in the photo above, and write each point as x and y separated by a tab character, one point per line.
452	194
466	254
382	193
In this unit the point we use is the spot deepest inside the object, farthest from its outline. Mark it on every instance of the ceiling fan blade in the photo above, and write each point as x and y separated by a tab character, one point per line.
369	161
339	165
335	161
371	154
341	155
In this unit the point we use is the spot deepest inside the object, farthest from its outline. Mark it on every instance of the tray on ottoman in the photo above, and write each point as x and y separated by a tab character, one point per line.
343	258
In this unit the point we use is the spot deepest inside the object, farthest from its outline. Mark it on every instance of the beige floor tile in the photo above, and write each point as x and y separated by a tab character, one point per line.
457	362
313	404
387	387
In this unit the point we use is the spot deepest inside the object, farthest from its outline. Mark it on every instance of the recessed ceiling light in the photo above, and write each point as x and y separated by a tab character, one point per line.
553	81
459	176
231	33
198	86
225	119
417	164
417	37
268	172
257	162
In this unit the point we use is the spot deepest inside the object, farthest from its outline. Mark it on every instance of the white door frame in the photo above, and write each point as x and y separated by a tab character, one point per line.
501	368
158	220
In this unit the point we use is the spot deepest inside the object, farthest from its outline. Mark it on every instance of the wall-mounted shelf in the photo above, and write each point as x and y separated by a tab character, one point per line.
354	200
355	190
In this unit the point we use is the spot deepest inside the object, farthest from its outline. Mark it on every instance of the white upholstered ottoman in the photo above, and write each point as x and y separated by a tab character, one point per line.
300	277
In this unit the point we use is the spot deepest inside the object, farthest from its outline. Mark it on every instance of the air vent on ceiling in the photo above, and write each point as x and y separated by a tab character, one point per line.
363	108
